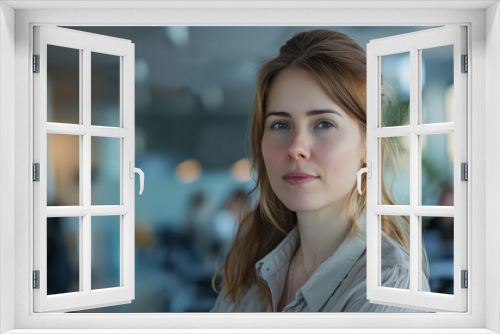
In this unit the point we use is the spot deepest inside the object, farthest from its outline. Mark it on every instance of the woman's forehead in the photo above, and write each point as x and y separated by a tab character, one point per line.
294	90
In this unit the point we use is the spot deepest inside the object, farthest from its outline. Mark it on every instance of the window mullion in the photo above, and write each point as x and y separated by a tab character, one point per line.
418	154
85	160
414	167
81	224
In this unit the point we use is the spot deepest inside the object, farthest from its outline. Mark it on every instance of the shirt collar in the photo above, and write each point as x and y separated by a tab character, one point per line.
328	276
280	255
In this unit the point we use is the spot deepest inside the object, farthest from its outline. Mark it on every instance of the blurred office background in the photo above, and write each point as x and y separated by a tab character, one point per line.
194	91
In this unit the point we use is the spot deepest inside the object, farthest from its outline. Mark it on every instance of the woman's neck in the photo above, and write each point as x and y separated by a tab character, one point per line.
321	233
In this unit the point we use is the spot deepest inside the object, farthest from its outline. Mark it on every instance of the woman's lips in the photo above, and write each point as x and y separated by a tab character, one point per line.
295	179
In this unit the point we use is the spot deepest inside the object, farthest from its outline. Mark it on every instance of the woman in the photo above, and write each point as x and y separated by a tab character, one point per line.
300	249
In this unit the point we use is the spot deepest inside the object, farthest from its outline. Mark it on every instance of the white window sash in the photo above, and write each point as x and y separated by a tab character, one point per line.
414	297
85	298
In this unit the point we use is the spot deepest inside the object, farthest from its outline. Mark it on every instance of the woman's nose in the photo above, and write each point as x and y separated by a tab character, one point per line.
299	149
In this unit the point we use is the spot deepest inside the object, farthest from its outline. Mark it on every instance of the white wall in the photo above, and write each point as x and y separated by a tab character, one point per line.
7	160
492	146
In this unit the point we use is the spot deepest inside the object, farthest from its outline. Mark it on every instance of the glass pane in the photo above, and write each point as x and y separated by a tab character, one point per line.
437	84
105	252
63	85
437	168
105	89
437	236
395	89
392	241
396	170
63	170
63	255
105	171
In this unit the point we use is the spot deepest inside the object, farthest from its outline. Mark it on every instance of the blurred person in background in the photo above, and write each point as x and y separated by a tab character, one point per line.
61	277
227	220
444	225
439	235
196	231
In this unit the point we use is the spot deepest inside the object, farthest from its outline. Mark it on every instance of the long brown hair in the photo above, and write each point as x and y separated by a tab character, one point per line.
338	64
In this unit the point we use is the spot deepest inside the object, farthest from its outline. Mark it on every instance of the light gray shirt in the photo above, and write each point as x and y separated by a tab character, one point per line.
337	285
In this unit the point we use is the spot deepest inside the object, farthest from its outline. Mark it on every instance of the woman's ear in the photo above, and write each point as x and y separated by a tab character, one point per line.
362	151
362	157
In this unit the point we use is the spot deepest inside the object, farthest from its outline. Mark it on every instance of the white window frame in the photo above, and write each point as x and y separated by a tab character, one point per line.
413	44
85	44
16	22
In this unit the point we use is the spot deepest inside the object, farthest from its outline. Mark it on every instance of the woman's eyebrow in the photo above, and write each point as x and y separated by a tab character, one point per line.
309	113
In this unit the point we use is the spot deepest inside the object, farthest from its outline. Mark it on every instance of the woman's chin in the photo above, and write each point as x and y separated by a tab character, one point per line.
300	207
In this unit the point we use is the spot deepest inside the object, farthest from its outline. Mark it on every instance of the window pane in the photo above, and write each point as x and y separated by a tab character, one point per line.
391	242
63	85
105	252
437	235
396	170
106	171
105	89
395	89
437	168
63	170
437	84
63	255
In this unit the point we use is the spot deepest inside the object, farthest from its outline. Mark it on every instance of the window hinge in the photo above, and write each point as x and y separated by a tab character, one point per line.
36	279
36	172
36	63
465	279
465	64
465	171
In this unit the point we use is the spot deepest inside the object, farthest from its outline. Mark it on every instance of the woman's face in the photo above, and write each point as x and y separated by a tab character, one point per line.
306	133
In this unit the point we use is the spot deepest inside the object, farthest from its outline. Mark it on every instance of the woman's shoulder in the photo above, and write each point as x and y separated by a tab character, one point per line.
395	265
393	254
395	273
248	303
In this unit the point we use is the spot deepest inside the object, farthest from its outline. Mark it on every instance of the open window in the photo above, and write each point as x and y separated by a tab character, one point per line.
16	153
415	130
74	130
70	131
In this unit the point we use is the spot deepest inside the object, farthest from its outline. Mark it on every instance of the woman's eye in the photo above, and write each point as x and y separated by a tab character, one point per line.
325	124
279	126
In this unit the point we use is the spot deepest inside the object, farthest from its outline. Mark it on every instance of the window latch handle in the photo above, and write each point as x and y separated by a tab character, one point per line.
368	171
138	171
